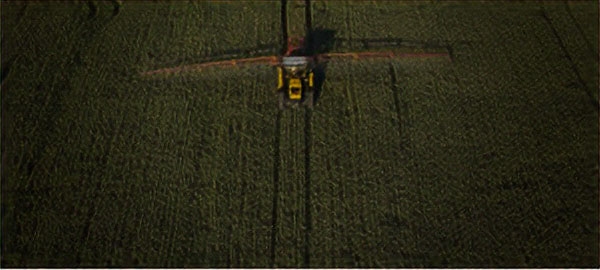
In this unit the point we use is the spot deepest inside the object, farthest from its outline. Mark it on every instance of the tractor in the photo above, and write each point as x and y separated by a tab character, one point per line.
295	74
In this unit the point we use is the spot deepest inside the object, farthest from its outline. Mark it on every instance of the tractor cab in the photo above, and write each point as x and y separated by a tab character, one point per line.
295	89
295	78
296	66
298	74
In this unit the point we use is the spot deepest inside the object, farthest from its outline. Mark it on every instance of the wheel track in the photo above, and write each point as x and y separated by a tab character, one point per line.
307	224
307	149
276	165
580	31
563	48
397	104
308	21
307	190
284	26
277	142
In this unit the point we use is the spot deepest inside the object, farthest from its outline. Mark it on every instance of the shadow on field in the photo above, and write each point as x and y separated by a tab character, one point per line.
93	8
321	41
22	12
6	68
220	55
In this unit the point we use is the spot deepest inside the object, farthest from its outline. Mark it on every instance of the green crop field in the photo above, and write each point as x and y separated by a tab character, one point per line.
487	158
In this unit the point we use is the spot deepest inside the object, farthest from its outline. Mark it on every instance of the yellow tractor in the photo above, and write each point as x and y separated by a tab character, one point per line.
295	81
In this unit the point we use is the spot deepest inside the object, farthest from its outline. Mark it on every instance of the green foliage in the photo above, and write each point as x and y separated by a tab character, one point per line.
488	160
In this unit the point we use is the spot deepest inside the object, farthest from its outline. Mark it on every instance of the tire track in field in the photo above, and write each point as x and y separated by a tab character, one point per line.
284	26
276	165
308	21
6	67
581	33
307	148
3	125
277	142
234	155
397	105
307	199
563	48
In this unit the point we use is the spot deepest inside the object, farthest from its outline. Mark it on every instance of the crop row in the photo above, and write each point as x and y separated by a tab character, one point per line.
405	162
107	168
495	141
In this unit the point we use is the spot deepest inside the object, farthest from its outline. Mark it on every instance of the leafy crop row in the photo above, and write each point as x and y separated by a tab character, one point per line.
488	151
107	168
486	160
